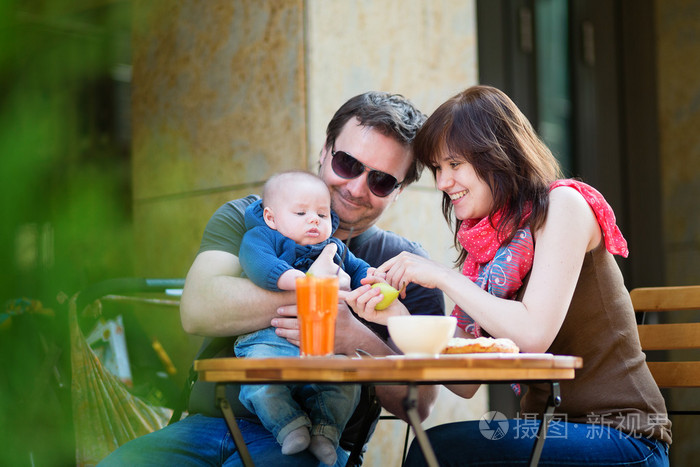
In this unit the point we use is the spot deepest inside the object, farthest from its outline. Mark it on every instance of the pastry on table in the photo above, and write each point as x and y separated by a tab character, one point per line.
457	345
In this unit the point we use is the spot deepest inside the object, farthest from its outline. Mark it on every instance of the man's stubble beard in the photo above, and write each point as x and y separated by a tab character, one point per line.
358	219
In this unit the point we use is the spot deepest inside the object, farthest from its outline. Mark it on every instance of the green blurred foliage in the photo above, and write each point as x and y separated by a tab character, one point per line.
65	199
65	166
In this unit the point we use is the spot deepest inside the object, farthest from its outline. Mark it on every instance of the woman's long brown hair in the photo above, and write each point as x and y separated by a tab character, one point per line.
483	126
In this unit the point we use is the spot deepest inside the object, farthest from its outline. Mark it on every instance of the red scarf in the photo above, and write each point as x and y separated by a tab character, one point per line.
481	240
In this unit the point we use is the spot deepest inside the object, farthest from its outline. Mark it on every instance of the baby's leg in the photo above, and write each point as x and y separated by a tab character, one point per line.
274	404
329	407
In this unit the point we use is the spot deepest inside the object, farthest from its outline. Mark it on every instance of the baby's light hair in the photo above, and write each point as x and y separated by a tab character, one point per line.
276	181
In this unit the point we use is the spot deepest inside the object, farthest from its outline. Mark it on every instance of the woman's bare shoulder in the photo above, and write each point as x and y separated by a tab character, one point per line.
569	209
567	194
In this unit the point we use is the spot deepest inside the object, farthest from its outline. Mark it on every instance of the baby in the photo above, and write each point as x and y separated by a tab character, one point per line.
287	229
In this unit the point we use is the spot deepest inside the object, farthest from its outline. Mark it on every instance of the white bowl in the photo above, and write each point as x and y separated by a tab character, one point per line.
421	335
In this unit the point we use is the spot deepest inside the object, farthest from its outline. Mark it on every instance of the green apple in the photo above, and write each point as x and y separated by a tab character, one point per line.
389	293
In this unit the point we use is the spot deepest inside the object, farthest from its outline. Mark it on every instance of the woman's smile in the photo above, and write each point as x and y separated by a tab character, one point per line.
468	193
458	195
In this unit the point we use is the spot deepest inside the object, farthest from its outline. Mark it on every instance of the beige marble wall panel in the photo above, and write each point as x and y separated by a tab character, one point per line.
218	95
427	53
678	58
417	214
423	50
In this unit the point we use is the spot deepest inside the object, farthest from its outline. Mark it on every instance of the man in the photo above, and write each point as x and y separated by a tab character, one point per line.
366	162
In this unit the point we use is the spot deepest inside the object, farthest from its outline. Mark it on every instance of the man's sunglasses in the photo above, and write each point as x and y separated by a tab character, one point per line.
381	184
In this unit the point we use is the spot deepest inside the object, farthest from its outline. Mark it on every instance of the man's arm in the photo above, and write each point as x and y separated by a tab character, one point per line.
217	302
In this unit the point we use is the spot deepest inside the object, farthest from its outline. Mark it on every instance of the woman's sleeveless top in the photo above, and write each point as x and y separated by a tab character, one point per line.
614	387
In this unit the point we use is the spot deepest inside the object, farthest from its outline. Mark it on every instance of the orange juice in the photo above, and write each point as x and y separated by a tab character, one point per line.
317	308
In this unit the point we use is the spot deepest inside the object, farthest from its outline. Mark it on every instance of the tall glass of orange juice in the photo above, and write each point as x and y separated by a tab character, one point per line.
317	308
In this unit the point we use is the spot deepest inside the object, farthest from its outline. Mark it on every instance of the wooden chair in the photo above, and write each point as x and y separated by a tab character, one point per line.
672	335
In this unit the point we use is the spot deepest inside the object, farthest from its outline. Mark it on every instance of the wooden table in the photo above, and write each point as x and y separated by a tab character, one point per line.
446	369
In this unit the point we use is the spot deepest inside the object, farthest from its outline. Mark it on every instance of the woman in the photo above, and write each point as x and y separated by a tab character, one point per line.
537	263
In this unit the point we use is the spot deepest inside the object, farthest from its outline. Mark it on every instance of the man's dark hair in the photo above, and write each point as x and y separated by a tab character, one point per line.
391	114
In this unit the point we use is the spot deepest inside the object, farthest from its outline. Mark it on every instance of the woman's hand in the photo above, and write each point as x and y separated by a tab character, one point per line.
363	301
407	267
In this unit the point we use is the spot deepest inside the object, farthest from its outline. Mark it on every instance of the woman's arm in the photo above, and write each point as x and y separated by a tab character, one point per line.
561	244
570	231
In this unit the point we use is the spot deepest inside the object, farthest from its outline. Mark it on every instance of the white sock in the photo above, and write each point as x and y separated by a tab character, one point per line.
323	449
296	441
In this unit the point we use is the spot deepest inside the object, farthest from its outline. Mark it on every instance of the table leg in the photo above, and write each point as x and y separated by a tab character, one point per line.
230	418
410	404
553	402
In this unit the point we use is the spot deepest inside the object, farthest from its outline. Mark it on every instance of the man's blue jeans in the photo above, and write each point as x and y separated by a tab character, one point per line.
567	444
199	440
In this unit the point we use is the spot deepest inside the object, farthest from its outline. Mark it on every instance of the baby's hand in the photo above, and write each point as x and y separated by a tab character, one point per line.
324	265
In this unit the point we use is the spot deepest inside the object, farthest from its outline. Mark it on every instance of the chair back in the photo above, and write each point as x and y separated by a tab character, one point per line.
674	334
